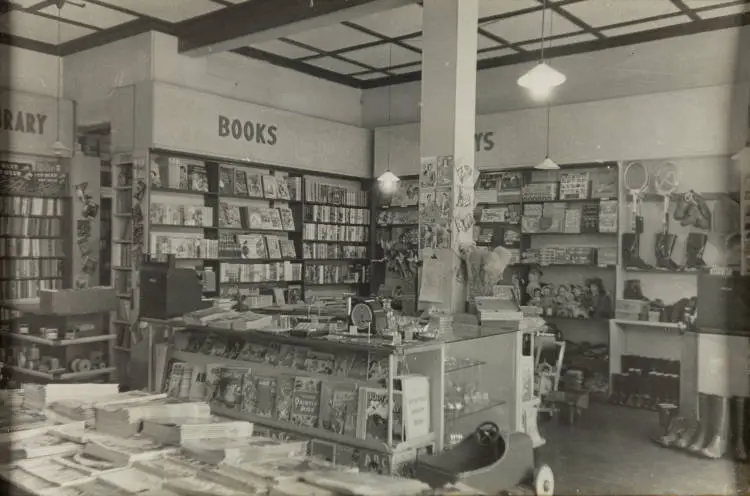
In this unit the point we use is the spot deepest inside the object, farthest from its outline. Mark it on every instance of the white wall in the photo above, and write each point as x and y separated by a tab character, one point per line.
688	123
91	76
28	71
699	60
242	78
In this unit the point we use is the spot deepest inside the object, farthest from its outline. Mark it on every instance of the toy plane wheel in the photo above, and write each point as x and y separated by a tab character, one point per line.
544	481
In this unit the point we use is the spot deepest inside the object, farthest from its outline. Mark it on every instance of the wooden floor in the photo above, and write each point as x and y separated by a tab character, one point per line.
609	452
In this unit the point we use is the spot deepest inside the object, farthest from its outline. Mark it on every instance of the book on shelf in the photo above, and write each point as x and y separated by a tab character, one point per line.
254	246
331	214
575	185
295	188
177	430
339	402
178	173
26	206
198	177
333	251
604	183
373	414
287	219
282	189
305	402
123	451
240	183
334	232
320	192
226	385
260	272
226	180
184	246
179	214
270	187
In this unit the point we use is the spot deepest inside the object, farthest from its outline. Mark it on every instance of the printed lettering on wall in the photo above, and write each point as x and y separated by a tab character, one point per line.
23	122
484	141
258	132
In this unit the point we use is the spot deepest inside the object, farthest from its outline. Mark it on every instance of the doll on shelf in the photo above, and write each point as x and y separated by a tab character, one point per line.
599	302
536	298
561	301
548	301
534	283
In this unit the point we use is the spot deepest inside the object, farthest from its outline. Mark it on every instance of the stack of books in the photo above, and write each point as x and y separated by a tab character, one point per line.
40	396
124	419
122	451
179	430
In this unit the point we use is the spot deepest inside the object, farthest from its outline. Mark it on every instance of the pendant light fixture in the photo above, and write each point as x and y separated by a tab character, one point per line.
59	147
388	180
542	78
547	163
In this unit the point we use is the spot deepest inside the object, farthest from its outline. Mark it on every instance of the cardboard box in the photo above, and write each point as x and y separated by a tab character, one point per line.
78	301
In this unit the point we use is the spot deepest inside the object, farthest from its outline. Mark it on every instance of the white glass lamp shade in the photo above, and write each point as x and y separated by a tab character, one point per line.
388	177
59	148
541	79
547	164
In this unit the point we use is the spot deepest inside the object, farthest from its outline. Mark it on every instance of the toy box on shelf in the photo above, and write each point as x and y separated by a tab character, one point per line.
64	336
363	402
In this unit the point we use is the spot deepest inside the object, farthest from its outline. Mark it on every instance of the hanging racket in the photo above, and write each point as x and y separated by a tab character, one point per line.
666	180
635	179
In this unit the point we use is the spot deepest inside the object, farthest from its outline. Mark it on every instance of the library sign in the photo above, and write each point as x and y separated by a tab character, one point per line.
28	123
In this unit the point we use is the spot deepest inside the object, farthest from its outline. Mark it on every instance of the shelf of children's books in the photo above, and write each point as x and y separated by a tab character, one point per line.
391	226
256	198
565	265
364	207
11	257
351	283
322	434
252	261
262	368
338	260
340	242
334	223
658	270
249	230
255	283
179	226
330	342
498	204
182	191
17	216
598	233
35	236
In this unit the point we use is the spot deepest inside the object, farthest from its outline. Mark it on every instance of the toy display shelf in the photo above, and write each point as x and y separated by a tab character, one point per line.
98	340
424	358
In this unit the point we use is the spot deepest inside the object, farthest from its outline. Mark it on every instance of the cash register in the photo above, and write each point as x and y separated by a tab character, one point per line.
168	291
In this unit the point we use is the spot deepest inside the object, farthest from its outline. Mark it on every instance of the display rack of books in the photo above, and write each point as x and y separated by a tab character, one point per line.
561	227
336	231
129	190
352	398
62	336
397	240
78	440
35	229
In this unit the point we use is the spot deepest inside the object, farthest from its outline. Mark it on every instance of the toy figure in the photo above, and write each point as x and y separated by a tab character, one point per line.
548	301
536	298
535	281
561	301
600	304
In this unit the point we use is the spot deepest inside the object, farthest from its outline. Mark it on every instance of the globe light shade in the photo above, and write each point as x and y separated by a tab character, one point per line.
547	164
59	148
388	181
742	154
541	79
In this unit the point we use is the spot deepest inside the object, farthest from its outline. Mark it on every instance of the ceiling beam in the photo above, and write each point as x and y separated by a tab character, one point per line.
256	21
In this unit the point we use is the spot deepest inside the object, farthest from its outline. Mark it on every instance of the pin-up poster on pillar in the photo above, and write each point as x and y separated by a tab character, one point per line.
29	123
205	124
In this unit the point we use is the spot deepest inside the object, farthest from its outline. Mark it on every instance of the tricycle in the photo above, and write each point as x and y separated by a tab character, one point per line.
488	461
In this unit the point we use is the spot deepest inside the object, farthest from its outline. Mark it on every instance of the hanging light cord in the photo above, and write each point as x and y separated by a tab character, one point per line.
544	12
551	19
388	112
59	67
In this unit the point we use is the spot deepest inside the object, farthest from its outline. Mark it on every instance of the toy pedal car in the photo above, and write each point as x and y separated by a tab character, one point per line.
488	461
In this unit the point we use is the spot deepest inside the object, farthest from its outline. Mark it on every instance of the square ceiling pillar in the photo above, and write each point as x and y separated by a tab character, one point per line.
447	122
